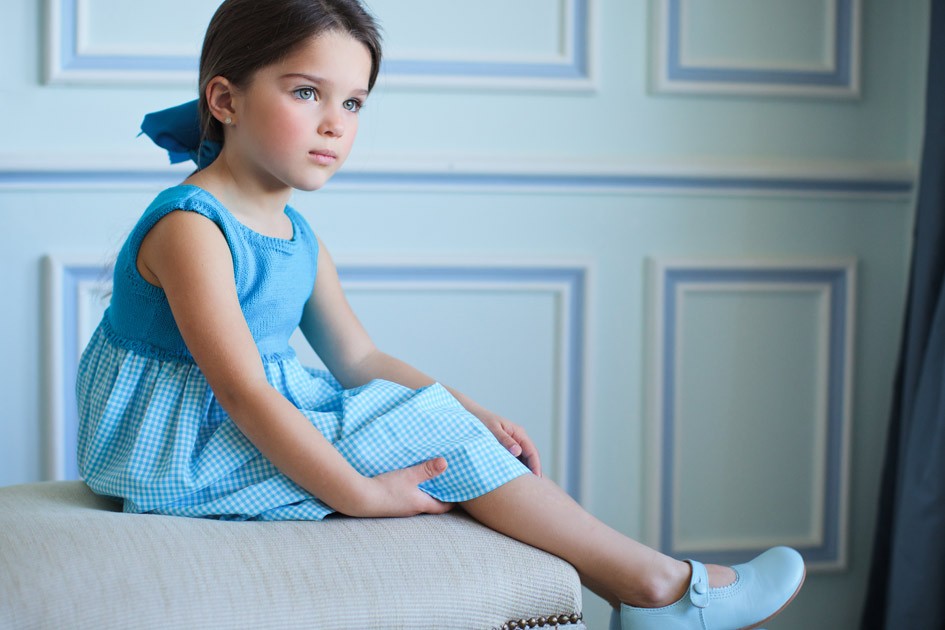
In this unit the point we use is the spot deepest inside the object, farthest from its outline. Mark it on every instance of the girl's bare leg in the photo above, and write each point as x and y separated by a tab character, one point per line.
600	590
616	567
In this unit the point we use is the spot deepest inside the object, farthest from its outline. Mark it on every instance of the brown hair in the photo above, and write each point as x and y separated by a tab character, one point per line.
247	35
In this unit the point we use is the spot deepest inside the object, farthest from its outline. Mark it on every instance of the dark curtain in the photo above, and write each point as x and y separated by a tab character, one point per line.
907	580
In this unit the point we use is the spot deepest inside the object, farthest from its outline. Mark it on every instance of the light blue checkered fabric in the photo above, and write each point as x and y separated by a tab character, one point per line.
152	433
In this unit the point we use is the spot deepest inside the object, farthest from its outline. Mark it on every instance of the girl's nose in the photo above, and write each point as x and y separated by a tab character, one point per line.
331	124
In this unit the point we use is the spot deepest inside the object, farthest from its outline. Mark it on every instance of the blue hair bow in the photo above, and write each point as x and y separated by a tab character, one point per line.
177	130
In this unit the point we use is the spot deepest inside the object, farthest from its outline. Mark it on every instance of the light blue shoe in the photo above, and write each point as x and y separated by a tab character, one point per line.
762	588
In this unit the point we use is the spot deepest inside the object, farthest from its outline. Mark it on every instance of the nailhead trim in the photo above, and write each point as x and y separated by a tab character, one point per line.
541	622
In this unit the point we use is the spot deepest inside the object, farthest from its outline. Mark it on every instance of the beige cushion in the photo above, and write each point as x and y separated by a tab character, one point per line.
68	558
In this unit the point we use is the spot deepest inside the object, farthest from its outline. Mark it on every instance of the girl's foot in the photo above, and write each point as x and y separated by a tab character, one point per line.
721	598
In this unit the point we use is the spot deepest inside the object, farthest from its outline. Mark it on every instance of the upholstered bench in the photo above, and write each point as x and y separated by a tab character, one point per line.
71	559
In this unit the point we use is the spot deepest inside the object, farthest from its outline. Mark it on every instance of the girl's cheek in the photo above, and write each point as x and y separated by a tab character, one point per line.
285	127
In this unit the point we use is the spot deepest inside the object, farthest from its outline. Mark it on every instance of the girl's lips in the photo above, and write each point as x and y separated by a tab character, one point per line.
323	157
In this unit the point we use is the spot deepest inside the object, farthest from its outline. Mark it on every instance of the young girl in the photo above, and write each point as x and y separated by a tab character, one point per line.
193	404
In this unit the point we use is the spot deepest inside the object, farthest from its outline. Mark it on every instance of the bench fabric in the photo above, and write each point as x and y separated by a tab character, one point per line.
70	558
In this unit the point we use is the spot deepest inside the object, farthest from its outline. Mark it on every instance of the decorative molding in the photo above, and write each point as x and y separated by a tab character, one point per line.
834	179
72	283
824	547
574	69
839	77
71	58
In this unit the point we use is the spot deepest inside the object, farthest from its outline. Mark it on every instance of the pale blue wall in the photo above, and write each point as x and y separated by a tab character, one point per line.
516	138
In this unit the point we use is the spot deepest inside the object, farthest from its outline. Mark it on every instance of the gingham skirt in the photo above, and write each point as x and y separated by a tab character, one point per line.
152	433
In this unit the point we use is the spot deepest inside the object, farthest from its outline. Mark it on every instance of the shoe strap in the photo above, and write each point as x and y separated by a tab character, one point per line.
699	585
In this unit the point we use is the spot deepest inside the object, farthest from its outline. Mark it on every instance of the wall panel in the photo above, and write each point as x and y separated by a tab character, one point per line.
807	48
752	369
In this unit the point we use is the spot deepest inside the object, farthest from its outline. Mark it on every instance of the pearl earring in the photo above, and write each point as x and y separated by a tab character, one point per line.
228	121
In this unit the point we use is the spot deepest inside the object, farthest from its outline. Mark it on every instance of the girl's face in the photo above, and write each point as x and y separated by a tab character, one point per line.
296	120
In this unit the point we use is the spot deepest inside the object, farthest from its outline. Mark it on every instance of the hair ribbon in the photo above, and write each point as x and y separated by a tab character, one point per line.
177	130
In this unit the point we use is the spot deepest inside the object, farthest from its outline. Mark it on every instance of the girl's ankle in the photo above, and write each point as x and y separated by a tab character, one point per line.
665	586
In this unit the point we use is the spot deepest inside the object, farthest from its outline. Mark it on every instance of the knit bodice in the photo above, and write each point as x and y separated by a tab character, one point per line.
274	278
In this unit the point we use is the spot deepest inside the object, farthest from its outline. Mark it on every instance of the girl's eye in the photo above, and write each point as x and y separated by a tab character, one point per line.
353	105
305	94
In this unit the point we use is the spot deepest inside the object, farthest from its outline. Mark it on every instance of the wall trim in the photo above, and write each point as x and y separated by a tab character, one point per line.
70	281
759	177
825	547
67	283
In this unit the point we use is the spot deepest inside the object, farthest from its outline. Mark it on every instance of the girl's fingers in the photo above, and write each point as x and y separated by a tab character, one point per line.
506	440
424	471
513	446
530	457
438	507
401	496
528	451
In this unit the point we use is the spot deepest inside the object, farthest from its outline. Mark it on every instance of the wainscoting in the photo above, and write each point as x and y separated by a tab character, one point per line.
669	237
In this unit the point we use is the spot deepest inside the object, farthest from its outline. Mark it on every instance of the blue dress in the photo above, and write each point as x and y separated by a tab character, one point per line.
152	433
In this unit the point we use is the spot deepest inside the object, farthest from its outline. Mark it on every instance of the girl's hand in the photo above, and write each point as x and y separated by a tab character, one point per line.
514	438
396	493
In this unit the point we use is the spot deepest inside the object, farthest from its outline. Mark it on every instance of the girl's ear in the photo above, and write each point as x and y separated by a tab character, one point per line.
220	100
